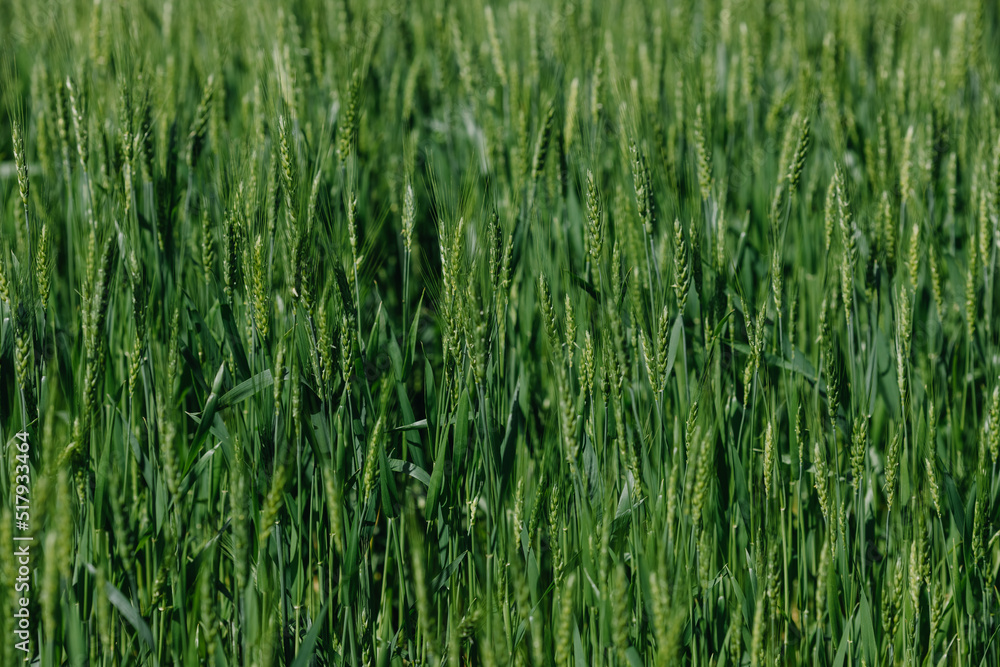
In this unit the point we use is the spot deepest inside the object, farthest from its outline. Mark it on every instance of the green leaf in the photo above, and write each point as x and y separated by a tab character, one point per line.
390	503
410	469
436	481
419	424
579	657
442	579
675	338
868	643
208	414
414	330
129	613
396	357
76	647
838	660
308	645
196	471
430	405
246	389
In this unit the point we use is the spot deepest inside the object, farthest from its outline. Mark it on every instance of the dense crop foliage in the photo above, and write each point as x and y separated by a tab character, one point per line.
355	333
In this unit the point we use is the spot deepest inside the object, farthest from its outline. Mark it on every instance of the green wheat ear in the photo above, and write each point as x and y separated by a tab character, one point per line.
682	272
21	167
4	282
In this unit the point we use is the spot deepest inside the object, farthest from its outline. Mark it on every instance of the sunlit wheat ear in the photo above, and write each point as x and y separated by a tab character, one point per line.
821	474
899	589
768	460
643	188
24	342
595	229
827	552
777	279
993	424
555	519
409	216
348	124
352	237
859	450
888	598
901	369
168	446
848	237
570	331
648	356
620	617
797	147
289	170
932	485
660	603
971	286
913	256
703	155
43	264
828	355
78	113
887	229
775	600
566	622
371	460
682	271
496	51
662	350
758	641
207	246
260	294
548	312
830	212
21	167
703	481
891	468
939	600
906	168
66	513
4	283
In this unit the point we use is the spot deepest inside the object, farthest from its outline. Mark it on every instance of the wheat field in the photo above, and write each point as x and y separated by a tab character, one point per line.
560	332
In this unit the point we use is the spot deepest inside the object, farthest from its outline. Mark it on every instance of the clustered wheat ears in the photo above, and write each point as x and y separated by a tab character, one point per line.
525	334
